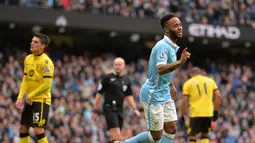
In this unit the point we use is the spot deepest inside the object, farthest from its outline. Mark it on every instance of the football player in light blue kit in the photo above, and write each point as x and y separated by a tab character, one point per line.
158	105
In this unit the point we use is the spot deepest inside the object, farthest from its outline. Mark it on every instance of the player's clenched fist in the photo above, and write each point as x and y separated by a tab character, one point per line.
185	55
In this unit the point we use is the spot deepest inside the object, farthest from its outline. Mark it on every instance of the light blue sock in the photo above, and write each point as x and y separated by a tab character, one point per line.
140	138
166	138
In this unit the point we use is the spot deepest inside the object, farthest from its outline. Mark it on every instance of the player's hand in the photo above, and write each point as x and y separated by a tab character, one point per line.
137	113
19	104
184	56
29	101
94	116
215	115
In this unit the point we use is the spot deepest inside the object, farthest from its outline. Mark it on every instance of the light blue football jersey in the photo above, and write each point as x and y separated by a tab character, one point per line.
156	88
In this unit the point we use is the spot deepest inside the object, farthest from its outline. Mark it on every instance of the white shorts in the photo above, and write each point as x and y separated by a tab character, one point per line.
157	114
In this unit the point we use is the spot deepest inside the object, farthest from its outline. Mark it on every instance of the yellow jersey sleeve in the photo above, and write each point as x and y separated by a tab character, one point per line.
48	69
185	88
214	85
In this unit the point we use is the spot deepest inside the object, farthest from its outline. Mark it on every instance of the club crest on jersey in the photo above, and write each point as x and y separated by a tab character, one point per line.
47	69
31	73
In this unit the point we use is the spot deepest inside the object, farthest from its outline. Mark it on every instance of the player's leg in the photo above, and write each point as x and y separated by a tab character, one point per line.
206	125
40	117
26	121
112	122
195	128
170	118
154	116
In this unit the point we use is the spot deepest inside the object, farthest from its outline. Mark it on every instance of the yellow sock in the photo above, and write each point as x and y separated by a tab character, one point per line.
25	139
192	142
43	140
204	141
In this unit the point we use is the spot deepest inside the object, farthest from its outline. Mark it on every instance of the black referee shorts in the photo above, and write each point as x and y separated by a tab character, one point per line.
35	115
199	125
113	120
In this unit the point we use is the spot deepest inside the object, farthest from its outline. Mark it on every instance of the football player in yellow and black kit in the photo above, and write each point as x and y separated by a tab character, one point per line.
37	80
200	91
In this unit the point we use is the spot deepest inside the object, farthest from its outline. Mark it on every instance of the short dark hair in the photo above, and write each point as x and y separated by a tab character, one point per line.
195	70
44	39
165	18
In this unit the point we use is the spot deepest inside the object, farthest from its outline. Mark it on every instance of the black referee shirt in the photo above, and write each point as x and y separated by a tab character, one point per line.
115	88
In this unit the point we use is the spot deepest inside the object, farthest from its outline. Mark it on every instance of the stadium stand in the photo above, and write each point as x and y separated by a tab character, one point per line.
227	12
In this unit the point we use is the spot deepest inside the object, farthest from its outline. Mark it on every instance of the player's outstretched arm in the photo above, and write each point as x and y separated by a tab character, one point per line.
166	68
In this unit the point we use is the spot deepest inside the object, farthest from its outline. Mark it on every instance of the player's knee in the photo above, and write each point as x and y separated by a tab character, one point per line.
156	135
39	131
170	128
23	129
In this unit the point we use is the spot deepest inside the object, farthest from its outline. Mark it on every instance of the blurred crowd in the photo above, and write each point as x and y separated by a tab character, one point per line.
74	88
228	12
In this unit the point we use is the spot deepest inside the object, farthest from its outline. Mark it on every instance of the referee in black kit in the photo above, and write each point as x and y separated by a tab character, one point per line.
114	87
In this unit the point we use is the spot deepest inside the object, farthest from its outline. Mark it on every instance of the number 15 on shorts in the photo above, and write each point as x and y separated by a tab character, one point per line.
36	117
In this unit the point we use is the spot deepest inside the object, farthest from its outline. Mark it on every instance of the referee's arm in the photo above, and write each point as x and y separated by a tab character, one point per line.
131	101
97	102
100	90
130	98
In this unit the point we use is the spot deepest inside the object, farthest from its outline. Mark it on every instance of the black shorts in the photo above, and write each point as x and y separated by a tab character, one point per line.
35	115
199	124
113	120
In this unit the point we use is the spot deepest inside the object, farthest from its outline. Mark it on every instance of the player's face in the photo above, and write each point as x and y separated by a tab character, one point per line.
174	26
119	66
36	45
